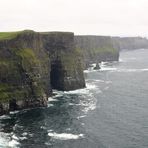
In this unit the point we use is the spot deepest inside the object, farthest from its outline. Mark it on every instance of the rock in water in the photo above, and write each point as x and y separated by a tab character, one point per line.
97	66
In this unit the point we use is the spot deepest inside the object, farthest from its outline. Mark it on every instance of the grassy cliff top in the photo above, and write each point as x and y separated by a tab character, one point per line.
11	35
8	35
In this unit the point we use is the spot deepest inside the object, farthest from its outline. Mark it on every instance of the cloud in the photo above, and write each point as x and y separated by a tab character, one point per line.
106	17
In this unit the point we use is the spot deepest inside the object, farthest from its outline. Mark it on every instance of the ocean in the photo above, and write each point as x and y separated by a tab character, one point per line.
111	112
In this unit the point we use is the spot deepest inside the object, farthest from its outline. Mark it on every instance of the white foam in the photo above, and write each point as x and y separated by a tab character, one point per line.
25	134
43	127
13	143
90	86
88	71
82	124
50	130
79	117
17	126
93	65
99	80
71	104
23	138
51	99
93	82
87	99
121	60
50	105
104	63
15	137
58	93
48	143
14	112
91	71
133	70
78	91
65	136
68	129
91	68
5	117
108	69
6	141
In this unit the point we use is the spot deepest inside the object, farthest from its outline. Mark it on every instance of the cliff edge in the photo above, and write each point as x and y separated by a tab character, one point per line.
94	49
32	64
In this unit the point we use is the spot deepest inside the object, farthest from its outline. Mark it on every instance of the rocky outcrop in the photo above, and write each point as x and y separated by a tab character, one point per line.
97	66
32	63
130	43
94	49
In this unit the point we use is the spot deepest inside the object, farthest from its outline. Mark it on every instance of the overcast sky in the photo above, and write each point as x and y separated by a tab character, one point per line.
100	17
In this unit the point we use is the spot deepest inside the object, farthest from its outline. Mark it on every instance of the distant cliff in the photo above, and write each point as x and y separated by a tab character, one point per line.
94	49
32	63
130	43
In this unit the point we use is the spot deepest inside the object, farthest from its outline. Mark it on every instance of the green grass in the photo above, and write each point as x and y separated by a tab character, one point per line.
28	58
105	50
7	92
11	35
8	35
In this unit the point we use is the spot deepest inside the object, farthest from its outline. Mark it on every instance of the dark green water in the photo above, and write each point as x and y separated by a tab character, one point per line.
112	112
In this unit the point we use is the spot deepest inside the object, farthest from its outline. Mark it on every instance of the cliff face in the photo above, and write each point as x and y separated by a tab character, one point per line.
31	64
96	49
130	43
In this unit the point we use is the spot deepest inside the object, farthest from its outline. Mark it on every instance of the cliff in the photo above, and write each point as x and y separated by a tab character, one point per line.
130	43
94	49
32	64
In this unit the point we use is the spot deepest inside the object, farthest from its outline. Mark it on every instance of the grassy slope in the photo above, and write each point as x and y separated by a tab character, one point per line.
11	35
8	35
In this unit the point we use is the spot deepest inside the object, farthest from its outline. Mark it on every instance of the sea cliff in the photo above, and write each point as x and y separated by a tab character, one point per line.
130	43
95	49
32	64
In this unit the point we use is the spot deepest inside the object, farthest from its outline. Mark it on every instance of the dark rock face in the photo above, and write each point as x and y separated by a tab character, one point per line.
66	69
31	64
94	49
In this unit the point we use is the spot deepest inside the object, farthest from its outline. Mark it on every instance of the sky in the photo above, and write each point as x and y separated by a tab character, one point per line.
83	17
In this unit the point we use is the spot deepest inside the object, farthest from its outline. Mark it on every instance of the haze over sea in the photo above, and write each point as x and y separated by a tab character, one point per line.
111	112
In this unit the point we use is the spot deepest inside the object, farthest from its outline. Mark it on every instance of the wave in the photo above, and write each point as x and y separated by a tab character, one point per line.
87	99
14	112
88	104
8	141
79	117
132	70
51	99
89	86
114	69
3	117
90	70
108	69
65	136
13	143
